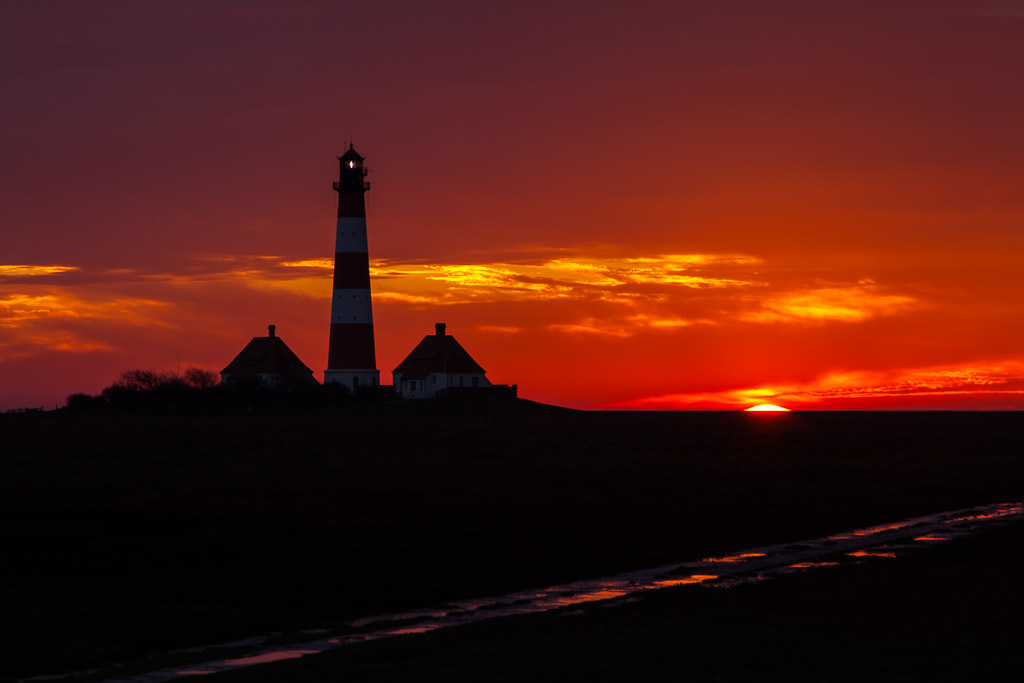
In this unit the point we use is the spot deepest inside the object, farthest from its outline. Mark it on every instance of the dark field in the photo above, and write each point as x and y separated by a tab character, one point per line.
948	613
129	534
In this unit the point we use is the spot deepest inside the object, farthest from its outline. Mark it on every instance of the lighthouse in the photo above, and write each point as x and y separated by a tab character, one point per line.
351	359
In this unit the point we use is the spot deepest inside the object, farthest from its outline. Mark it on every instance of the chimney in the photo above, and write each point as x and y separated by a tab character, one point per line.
271	329
439	329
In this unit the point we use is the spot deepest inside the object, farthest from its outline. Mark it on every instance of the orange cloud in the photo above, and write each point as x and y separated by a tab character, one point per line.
316	263
58	321
568	278
838	304
18	309
626	326
32	270
592	326
413	299
501	329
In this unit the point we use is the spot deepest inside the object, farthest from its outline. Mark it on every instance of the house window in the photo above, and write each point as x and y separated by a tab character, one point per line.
355	382
476	381
462	381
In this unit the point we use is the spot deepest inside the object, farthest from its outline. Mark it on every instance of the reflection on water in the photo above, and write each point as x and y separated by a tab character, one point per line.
757	564
732	558
811	565
689	580
269	657
263	658
871	553
412	629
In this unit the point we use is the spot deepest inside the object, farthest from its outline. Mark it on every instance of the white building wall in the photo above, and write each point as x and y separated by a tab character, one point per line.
353	379
436	381
466	379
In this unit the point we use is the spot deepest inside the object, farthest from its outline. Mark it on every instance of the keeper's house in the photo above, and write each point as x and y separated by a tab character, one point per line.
439	366
267	361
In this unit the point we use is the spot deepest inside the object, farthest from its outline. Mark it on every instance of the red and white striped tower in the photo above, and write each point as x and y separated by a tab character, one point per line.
351	359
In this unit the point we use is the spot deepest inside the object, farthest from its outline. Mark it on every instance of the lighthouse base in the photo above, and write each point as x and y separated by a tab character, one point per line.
353	379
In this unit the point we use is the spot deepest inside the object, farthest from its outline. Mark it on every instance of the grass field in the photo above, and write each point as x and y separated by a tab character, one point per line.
127	534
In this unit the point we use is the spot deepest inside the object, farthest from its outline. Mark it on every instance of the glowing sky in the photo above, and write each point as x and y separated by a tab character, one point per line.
634	205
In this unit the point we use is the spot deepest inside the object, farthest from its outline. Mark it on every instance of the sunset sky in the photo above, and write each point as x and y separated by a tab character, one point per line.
645	205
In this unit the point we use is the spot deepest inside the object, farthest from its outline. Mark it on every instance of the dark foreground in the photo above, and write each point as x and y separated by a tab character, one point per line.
949	613
128	534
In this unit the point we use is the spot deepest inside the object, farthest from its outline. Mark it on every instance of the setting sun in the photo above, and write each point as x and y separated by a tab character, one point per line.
766	408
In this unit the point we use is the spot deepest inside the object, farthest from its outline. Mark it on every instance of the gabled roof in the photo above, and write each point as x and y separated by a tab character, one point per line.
265	355
350	155
437	353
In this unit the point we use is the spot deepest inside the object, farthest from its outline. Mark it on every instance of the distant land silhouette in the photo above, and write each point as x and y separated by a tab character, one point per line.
197	391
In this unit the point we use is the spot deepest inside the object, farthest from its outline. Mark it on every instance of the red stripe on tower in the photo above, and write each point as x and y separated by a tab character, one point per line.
351	359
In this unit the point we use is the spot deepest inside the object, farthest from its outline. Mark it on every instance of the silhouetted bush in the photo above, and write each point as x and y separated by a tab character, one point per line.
147	380
155	389
81	402
198	391
200	378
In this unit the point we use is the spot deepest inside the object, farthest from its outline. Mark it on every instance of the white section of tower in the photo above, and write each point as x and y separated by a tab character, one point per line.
351	306
351	236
